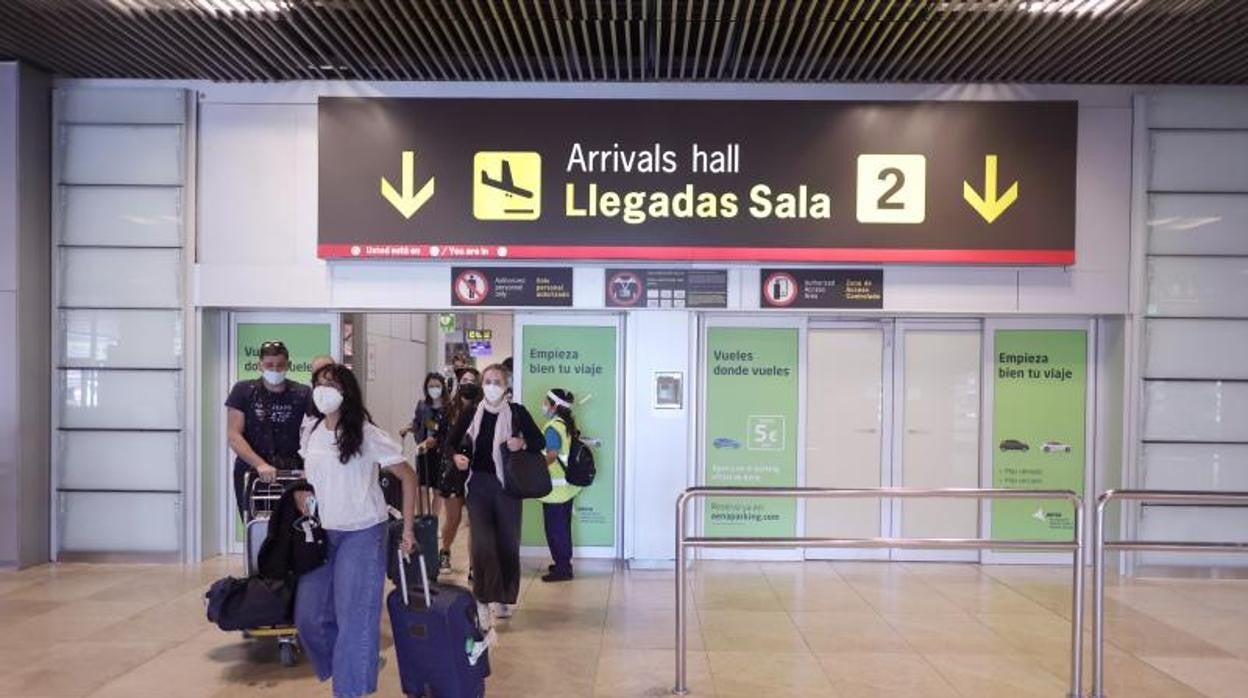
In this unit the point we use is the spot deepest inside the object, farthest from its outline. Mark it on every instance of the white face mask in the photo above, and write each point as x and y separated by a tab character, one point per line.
435	392
327	399
274	377
493	392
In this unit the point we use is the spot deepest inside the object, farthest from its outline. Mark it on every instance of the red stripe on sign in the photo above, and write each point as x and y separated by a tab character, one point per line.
865	255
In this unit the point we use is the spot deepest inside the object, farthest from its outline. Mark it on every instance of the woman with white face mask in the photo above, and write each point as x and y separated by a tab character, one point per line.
477	443
338	605
428	427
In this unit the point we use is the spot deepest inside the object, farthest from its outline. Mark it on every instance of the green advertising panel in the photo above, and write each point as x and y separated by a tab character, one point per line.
751	427
580	359
304	341
1038	428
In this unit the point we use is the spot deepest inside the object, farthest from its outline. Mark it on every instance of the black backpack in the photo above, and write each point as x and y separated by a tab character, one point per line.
580	469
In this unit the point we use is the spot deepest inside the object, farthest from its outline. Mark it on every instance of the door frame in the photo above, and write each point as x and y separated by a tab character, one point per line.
897	470
991	325
565	319
887	328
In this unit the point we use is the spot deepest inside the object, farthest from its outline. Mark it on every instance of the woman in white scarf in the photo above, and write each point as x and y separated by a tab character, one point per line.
476	443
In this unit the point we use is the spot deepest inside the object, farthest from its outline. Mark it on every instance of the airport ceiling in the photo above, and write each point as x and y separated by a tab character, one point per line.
930	41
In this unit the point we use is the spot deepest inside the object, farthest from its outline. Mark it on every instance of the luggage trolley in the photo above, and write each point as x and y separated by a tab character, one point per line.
261	498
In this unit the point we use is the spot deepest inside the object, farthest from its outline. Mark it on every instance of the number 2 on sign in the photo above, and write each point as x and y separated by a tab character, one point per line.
892	188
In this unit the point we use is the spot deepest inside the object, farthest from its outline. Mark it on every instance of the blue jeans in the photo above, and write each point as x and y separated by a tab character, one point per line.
338	610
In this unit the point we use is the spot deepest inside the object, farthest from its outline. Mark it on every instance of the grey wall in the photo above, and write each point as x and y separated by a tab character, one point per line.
25	331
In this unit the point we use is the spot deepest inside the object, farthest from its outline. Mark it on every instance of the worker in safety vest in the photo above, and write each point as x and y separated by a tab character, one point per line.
560	430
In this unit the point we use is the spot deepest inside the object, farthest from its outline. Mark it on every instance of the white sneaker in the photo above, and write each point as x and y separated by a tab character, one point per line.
503	611
485	617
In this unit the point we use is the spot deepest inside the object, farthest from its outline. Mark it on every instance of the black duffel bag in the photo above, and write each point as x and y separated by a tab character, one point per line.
244	604
526	475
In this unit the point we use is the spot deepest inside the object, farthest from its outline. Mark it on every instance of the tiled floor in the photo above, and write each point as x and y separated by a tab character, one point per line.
859	630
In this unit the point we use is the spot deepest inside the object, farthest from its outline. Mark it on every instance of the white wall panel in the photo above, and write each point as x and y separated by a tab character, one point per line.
120	399
1204	411
120	522
94	154
123	105
1198	108
916	289
1200	161
121	278
1195	348
1210	224
122	338
1194	524
107	460
1198	286
129	216
1195	467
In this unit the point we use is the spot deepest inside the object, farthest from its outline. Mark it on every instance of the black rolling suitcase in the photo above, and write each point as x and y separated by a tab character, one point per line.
424	524
440	648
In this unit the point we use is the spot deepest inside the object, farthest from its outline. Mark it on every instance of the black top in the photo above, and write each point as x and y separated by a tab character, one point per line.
482	451
271	420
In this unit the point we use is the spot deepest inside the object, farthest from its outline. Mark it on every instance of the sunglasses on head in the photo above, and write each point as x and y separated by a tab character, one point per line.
272	345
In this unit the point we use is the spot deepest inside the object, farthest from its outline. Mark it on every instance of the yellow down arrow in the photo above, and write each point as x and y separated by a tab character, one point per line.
408	202
990	205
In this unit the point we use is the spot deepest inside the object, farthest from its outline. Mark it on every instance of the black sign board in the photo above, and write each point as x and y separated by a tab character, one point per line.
667	288
743	181
511	286
822	288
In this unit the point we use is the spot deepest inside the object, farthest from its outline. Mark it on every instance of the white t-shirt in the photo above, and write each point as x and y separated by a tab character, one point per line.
348	496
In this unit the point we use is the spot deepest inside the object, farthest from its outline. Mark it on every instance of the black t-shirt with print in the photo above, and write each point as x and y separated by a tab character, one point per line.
271	419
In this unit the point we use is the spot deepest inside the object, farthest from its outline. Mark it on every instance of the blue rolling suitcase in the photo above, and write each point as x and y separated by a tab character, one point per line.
441	650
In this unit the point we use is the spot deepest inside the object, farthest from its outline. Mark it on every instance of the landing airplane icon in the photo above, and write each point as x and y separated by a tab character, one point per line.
506	183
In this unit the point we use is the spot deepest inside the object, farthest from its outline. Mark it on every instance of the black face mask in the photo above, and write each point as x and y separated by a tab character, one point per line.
470	392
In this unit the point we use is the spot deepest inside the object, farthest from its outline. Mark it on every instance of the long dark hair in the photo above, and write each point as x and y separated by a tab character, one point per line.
435	376
565	413
456	408
349	435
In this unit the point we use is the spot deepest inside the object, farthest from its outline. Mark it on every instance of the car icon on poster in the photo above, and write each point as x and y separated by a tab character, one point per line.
1055	447
1013	445
725	442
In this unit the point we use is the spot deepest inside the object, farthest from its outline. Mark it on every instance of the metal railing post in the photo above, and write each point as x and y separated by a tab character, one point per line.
682	591
1077	603
1100	545
1098	598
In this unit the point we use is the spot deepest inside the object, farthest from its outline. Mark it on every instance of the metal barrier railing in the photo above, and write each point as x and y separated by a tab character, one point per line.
1100	545
1075	546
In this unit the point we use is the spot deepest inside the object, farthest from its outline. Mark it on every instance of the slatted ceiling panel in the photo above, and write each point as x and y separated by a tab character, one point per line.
1034	41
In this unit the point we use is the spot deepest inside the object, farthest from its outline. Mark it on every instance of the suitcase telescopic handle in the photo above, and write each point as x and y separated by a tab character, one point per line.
404	560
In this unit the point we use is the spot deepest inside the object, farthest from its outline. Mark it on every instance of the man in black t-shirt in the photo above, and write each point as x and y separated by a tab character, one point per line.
264	416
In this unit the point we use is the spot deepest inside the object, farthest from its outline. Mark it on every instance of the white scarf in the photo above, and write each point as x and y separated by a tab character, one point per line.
502	431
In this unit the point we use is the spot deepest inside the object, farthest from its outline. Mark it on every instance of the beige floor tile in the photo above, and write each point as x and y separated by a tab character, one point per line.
642	673
1228	631
752	593
994	675
829	632
173	621
864	675
910	596
948	633
1127	676
645	593
1143	635
986	596
68	622
93	664
758	673
533	671
568	628
648	629
726	631
15	611
1216	678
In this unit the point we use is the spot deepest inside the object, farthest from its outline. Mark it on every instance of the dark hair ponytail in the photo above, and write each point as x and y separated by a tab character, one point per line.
565	413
